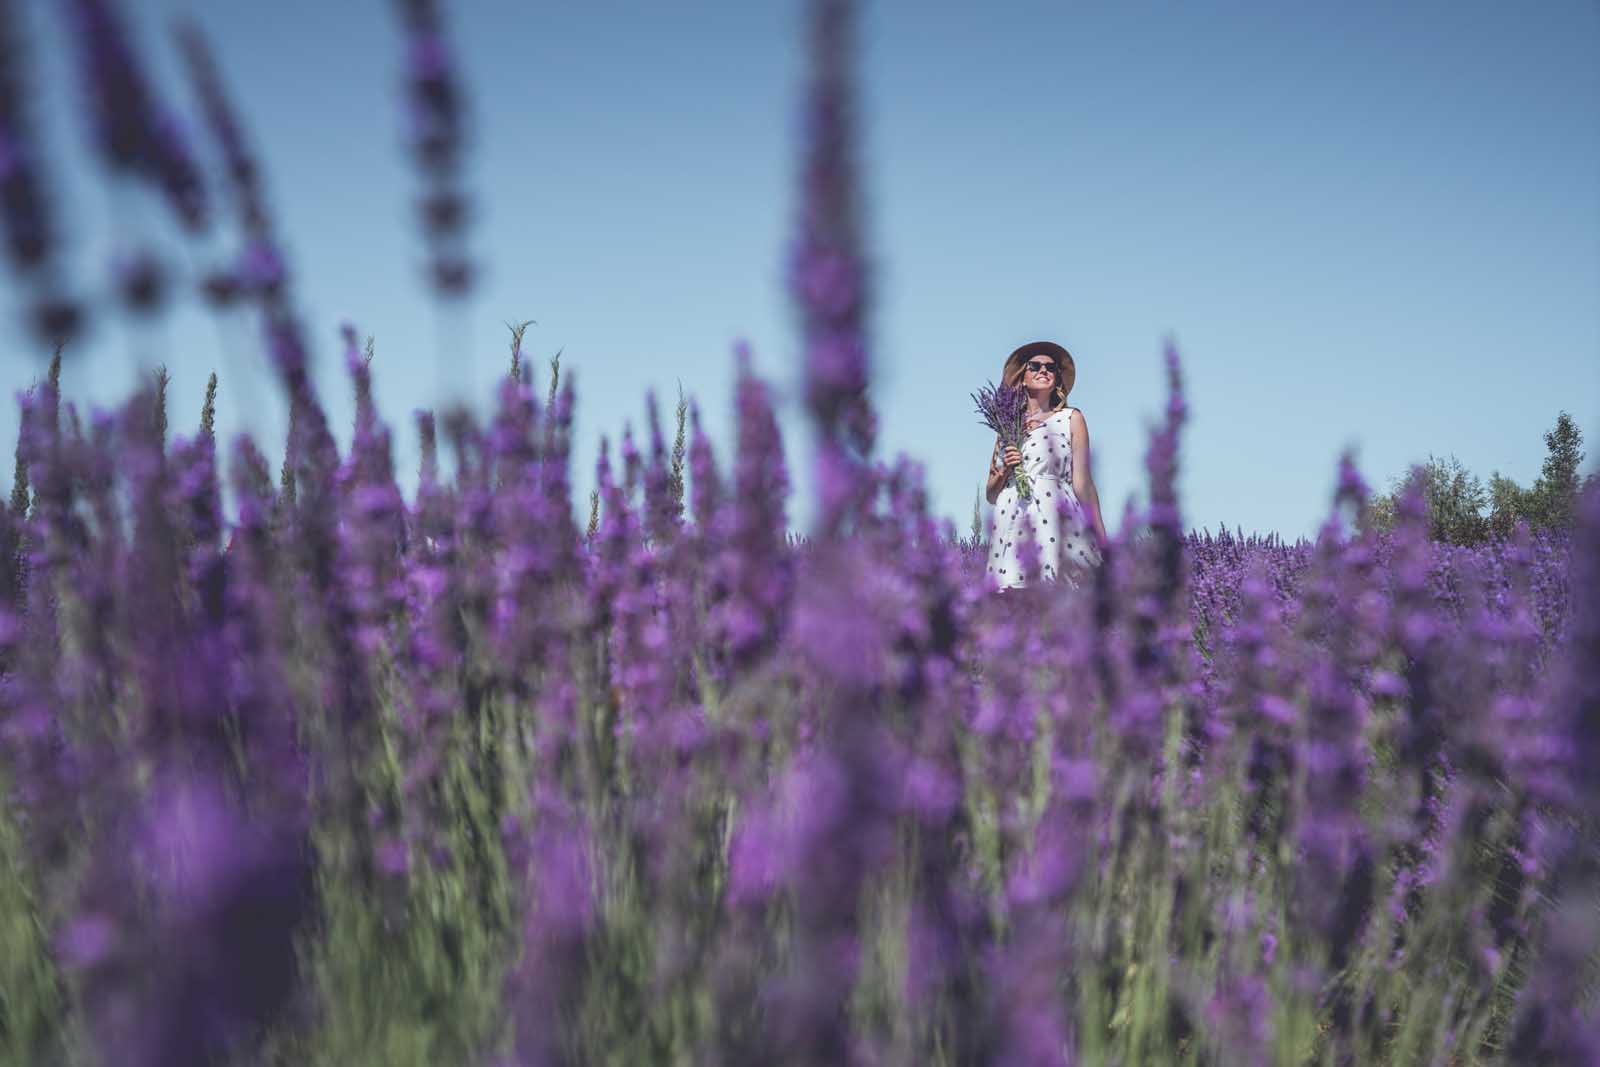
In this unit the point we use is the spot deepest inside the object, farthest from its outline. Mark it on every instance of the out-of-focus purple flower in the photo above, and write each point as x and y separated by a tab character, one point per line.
438	137
136	135
1157	627
243	173
661	507
639	637
163	983
705	498
26	224
258	642
1239	1014
930	790
87	940
1553	1025
1336	868
827	272
260	271
371	523
751	574
559	916
848	646
609	555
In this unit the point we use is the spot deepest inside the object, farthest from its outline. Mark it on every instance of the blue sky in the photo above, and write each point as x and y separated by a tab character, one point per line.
1373	226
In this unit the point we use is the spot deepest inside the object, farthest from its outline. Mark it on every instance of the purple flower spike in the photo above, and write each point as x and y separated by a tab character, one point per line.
260	272
136	135
705	498
437	132
26	225
1554	1025
752	576
29	230
828	274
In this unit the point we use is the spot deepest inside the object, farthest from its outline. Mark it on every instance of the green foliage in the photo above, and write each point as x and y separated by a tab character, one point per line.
1556	490
1463	511
162	380
428	440
1455	498
680	451
21	491
555	380
517	330
1509	503
208	410
53	376
286	478
414	973
32	1004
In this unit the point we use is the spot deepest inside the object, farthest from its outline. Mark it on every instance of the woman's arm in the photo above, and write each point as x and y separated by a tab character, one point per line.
1082	478
997	475
1000	465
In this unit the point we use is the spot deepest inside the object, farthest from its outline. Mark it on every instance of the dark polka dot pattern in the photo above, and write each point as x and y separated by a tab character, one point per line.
1051	526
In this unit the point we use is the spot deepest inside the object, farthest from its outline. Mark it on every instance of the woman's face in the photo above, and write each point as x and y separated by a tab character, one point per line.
1039	375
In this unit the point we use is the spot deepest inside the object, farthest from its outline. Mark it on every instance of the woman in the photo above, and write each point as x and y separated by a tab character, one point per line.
1063	515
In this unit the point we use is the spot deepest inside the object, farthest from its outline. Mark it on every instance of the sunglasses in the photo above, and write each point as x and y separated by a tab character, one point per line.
1039	366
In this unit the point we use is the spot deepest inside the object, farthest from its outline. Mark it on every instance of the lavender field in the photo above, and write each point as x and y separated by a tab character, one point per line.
300	768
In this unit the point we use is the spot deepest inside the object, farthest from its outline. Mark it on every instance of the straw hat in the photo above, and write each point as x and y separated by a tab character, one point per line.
1063	358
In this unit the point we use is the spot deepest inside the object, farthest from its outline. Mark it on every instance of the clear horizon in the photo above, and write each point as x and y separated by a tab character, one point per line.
1364	228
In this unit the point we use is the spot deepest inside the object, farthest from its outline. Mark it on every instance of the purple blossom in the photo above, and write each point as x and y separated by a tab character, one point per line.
135	133
1004	410
437	133
827	272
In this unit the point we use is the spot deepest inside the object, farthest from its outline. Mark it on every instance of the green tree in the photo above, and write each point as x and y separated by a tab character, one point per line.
1456	499
1508	503
1556	490
1550	502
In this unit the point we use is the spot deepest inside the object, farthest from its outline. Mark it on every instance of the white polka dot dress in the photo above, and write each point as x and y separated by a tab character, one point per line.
1053	517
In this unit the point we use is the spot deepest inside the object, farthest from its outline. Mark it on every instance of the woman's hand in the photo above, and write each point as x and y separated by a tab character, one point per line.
1001	464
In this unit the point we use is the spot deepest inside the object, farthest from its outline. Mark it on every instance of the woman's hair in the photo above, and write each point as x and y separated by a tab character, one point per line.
1011	374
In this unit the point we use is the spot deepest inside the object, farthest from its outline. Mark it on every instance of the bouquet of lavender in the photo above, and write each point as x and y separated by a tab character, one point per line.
1004	409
